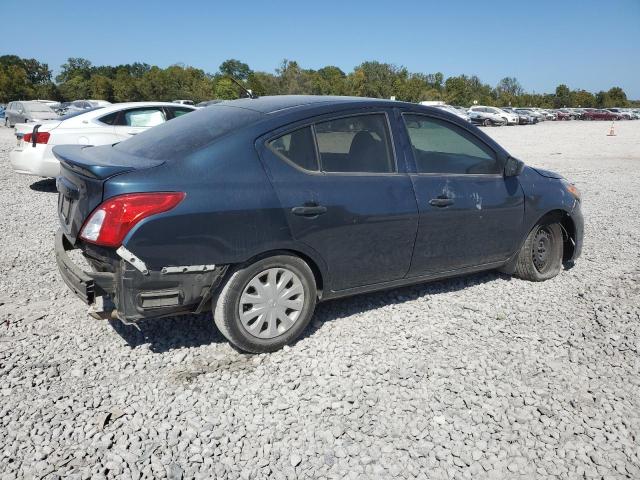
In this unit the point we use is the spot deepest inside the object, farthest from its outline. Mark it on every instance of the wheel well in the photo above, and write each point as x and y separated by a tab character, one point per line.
317	273
568	230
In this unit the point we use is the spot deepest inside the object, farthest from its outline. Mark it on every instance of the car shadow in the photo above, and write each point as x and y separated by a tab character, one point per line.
47	185
334	310
169	333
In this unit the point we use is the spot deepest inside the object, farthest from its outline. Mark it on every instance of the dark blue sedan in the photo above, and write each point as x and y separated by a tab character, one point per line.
259	208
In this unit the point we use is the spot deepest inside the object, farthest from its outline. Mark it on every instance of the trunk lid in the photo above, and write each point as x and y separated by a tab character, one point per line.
83	173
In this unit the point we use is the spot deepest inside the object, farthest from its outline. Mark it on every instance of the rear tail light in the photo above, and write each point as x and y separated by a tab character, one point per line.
41	137
115	217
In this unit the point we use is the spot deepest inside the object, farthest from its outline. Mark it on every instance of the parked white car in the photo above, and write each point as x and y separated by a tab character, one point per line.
99	126
454	110
494	114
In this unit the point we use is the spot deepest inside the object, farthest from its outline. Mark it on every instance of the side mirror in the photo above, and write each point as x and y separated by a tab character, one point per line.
513	167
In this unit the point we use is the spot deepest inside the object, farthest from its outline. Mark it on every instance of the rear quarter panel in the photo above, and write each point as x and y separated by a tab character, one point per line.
229	215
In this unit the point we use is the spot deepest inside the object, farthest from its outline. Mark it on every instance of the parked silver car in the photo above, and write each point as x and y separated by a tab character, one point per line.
23	112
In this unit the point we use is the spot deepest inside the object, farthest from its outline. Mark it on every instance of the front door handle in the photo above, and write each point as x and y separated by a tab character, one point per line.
309	211
441	202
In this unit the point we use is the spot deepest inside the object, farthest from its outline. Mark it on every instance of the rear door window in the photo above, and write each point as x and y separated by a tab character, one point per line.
178	111
142	117
109	119
356	144
441	147
298	148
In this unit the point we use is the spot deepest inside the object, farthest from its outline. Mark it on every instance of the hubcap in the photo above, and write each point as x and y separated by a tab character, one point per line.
542	249
271	303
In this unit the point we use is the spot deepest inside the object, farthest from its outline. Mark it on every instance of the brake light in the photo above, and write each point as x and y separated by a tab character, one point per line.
41	137
115	217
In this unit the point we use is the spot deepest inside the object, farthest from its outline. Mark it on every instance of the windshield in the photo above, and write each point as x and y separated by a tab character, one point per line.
80	112
188	133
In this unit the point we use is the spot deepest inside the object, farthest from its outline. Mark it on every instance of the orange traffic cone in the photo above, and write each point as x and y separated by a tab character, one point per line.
611	133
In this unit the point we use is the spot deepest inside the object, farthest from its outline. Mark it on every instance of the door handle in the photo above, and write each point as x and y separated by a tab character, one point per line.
132	133
441	202
310	211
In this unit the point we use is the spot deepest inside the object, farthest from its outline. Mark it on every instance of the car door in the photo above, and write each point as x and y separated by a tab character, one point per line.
345	196
135	120
469	213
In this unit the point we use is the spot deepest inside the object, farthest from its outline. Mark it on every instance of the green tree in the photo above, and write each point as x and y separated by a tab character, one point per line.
226	89
582	98
562	97
373	79
14	84
328	80
124	87
100	88
507	91
75	67
236	69
75	88
616	97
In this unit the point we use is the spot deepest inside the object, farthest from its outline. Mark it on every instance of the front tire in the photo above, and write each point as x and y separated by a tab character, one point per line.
540	257
267	304
486	122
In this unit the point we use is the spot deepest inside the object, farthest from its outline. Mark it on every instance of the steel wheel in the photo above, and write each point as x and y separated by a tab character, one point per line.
542	248
271	303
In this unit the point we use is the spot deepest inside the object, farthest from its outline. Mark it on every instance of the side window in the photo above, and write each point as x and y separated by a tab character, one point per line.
355	144
109	119
178	112
142	117
440	147
298	148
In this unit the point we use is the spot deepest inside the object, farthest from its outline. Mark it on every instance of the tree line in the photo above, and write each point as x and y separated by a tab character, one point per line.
27	78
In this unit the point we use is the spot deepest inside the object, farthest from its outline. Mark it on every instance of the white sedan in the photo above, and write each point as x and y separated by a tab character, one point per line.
99	126
492	116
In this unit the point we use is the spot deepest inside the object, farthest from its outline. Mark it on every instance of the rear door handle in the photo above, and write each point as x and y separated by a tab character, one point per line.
312	211
441	202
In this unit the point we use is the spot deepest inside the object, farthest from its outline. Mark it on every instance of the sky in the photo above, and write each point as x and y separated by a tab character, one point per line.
590	44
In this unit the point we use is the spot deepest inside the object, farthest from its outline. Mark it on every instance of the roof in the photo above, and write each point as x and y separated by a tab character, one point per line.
276	103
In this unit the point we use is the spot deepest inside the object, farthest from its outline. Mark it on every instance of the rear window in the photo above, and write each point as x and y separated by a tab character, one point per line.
75	114
38	107
189	133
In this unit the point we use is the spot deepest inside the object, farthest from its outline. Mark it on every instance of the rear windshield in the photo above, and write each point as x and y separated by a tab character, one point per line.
81	112
38	107
188	133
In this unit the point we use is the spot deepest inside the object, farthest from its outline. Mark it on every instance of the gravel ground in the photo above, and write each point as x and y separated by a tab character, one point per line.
478	377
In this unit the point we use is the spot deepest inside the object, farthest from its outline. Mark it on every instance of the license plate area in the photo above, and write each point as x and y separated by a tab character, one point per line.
64	207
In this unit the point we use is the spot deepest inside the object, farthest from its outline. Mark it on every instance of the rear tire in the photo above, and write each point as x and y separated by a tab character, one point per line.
267	286
540	257
486	122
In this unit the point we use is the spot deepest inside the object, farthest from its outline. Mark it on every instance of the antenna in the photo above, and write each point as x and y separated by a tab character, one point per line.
249	93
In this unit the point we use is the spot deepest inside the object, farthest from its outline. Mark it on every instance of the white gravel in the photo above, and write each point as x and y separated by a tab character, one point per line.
479	377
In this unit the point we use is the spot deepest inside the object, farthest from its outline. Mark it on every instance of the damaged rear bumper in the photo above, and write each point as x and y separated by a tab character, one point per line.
86	285
137	293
